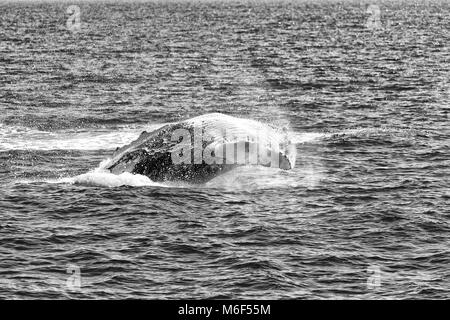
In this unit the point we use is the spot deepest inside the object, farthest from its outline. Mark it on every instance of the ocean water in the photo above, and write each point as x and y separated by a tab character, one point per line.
365	93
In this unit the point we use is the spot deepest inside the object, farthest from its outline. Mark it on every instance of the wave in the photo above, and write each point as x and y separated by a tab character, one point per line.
100	177
314	137
23	138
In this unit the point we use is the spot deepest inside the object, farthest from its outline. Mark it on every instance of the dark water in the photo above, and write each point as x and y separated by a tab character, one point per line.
363	215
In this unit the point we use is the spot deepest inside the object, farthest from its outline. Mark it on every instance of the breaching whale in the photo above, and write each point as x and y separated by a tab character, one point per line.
198	149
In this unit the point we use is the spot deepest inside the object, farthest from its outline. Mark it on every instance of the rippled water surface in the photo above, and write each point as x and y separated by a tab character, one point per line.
364	214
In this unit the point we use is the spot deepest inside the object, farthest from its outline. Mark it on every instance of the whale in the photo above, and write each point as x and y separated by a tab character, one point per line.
198	149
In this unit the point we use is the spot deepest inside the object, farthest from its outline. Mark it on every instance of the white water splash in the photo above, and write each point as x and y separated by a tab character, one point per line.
107	179
252	178
101	177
